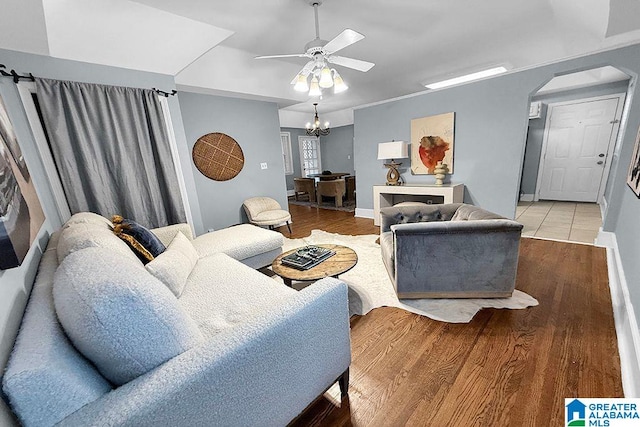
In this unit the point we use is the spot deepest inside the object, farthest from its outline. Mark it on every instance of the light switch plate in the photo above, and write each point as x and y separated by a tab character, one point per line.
263	165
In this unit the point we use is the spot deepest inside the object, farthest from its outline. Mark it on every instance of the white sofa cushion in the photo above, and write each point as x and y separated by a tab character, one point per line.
82	235
239	242
88	218
118	315
173	266
46	379
223	293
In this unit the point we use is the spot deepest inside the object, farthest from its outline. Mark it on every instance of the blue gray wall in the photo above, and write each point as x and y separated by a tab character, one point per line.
295	154
255	126
491	126
536	127
336	150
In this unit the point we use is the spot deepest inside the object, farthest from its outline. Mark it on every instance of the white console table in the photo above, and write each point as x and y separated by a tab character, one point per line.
383	195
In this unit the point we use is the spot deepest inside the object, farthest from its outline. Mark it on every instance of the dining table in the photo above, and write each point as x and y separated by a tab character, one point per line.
328	177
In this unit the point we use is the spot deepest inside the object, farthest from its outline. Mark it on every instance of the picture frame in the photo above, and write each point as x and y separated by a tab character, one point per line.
633	175
21	214
432	140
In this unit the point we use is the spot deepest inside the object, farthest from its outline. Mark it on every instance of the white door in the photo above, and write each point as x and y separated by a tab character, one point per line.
577	141
310	162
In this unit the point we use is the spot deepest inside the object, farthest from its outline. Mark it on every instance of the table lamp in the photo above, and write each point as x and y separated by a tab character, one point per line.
393	150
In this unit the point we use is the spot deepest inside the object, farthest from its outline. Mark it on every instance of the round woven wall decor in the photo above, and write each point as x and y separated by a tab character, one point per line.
218	156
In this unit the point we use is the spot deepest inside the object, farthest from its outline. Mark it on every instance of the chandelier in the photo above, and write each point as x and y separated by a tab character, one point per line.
315	128
322	77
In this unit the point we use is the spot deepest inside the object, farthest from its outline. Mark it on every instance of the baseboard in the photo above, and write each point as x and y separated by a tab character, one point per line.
605	239
626	323
526	197
364	213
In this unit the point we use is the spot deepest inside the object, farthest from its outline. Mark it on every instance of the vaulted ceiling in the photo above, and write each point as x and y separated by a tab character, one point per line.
210	45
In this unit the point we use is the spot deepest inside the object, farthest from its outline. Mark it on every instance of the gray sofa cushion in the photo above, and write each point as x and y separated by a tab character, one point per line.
473	213
46	379
173	266
412	213
118	315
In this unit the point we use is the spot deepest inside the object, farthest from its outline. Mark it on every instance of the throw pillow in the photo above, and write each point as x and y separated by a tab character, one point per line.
173	266
119	316
140	239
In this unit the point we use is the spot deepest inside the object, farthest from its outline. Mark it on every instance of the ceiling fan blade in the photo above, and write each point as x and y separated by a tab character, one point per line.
308	68
342	40
292	55
356	64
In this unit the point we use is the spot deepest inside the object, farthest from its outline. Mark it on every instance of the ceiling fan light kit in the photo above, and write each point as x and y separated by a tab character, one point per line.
328	77
321	54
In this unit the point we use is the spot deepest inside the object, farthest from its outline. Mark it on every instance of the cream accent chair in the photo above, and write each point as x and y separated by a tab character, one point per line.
266	211
334	188
305	186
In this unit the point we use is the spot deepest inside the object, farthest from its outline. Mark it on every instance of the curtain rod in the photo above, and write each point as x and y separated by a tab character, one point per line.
163	93
17	77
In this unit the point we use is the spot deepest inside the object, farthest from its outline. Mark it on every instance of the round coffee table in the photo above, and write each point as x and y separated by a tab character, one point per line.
344	260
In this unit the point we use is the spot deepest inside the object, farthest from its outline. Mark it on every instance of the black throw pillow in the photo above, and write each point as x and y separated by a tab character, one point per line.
140	239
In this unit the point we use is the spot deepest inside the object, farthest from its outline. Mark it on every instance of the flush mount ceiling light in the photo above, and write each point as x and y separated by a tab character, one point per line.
315	128
466	78
317	74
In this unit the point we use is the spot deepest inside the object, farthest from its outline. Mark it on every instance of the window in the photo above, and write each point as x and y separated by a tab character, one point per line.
310	161
285	140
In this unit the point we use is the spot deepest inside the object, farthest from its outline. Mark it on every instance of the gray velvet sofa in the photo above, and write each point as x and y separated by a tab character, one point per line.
197	339
449	251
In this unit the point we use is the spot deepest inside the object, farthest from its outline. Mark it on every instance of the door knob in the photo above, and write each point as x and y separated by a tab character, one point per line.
601	155
600	162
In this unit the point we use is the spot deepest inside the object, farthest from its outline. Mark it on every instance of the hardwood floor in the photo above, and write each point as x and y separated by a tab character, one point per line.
307	218
505	368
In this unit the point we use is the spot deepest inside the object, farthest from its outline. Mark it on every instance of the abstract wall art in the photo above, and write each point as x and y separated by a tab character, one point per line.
432	140
633	177
21	214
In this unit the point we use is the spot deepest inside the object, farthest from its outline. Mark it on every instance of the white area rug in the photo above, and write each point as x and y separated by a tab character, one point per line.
370	286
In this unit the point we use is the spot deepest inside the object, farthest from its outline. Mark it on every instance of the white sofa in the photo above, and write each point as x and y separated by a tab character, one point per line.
105	342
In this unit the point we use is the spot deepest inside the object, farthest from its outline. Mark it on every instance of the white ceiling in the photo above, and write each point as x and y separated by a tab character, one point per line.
596	76
209	45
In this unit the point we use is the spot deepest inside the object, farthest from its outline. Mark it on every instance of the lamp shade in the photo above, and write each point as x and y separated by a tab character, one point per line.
301	84
393	150
338	84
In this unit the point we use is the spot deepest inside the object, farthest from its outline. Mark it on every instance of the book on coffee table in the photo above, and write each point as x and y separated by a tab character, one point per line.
307	257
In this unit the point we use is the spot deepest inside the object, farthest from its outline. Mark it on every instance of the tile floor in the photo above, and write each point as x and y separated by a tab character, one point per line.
575	222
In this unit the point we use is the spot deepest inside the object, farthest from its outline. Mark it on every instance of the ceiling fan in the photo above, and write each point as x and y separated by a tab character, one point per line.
321	53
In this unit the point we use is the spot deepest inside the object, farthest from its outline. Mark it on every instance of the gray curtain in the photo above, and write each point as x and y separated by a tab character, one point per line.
111	149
